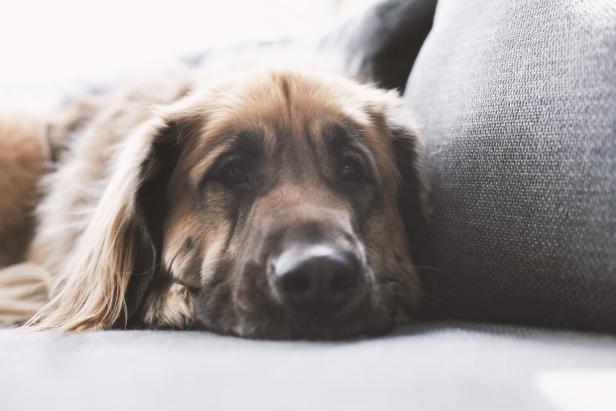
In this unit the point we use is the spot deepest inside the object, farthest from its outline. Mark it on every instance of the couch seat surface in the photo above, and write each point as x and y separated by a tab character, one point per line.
434	366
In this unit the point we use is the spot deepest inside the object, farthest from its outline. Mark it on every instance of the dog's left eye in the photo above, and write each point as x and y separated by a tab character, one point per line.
352	171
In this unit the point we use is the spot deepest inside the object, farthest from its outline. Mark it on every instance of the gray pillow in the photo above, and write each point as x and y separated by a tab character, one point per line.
517	100
381	44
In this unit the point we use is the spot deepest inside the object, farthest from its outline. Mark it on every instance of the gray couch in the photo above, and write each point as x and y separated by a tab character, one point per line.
517	102
432	366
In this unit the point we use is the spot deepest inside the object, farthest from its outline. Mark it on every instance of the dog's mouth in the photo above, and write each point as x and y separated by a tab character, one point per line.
253	310
365	322
362	325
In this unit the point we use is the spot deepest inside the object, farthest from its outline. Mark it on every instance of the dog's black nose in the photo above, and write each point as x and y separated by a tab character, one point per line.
318	279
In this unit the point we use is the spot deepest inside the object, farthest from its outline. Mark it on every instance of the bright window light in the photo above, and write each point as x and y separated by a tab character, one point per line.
49	47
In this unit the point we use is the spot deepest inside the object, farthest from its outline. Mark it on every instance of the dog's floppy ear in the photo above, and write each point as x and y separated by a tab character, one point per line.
108	273
412	189
407	148
151	208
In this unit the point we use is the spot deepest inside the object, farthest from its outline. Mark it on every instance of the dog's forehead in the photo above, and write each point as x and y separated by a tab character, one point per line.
283	105
283	99
275	107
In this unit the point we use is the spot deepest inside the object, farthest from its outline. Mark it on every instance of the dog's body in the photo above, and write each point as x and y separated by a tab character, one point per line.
271	203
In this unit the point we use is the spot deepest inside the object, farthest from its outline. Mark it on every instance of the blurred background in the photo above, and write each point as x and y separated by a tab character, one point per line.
51	47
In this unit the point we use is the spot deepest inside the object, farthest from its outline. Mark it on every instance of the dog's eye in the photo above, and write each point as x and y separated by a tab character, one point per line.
352	170
233	174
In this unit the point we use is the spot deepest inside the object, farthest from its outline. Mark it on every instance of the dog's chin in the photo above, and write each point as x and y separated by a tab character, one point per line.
316	331
364	322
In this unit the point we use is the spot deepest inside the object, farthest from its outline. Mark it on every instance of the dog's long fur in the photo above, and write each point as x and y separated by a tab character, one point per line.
116	154
23	159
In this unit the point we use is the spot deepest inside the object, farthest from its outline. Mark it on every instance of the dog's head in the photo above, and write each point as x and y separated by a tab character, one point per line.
277	204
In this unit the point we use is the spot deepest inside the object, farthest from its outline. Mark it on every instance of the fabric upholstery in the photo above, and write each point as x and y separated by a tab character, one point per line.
381	44
425	367
518	105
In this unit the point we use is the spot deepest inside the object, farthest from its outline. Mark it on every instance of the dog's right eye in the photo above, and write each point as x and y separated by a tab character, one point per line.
233	174
352	171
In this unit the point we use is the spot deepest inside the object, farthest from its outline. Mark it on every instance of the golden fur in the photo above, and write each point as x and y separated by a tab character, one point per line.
102	230
23	157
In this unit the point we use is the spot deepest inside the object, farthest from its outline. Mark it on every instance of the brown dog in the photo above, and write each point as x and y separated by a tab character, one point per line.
269	203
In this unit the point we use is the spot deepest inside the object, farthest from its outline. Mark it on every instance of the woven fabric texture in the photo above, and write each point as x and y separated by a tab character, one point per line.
517	102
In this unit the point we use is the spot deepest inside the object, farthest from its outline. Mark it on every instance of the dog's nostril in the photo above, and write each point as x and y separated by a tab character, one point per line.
295	283
317	278
343	280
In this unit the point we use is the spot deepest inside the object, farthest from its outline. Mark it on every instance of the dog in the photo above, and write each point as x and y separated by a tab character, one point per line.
266	203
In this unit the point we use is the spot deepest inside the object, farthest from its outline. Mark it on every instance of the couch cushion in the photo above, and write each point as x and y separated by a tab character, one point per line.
381	44
424	367
518	105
